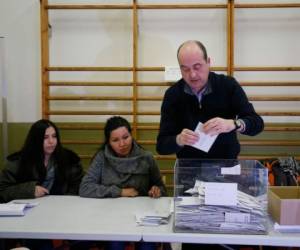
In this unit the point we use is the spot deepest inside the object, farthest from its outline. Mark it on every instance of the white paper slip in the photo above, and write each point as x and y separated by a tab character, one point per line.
235	170
172	73
151	218
27	203
220	194
10	209
237	217
206	141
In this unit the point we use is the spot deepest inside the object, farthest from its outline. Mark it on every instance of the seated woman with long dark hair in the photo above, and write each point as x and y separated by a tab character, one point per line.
42	166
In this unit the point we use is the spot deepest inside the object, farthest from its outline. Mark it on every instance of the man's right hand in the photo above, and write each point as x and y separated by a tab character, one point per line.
40	191
187	137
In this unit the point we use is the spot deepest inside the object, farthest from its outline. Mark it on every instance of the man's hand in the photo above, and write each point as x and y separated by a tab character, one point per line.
187	137
154	192
40	191
129	192
218	125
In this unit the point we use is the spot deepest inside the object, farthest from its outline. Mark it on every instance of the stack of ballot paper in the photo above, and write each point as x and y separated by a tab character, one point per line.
16	207
12	209
152	218
235	213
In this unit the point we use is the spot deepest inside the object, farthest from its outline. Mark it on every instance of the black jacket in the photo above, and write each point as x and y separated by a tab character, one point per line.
11	187
223	98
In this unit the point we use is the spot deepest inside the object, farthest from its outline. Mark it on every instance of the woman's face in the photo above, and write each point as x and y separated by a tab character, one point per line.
120	141
50	141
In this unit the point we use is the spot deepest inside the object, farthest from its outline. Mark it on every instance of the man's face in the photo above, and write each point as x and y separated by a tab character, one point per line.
194	68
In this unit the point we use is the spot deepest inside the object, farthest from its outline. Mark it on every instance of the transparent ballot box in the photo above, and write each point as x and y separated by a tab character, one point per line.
220	196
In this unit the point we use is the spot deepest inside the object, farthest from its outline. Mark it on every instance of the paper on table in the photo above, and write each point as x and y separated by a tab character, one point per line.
27	203
10	209
16	207
206	141
152	218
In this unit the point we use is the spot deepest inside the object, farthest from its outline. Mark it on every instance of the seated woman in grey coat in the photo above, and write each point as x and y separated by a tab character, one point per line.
122	168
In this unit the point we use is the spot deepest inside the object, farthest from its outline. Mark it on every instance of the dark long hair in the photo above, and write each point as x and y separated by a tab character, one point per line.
32	153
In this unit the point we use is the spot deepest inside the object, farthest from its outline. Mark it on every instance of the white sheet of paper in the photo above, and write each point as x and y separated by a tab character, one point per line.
172	73
220	194
9	209
190	201
237	217
206	141
235	170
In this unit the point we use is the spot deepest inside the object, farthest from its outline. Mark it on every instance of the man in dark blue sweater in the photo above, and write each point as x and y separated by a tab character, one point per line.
216	100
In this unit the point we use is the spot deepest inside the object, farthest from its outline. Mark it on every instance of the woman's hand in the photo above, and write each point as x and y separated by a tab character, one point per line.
40	191
154	192
129	192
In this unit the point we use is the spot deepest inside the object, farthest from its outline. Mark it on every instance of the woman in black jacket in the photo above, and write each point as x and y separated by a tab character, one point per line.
43	166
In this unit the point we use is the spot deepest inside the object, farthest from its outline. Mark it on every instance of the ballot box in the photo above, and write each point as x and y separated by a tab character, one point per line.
220	196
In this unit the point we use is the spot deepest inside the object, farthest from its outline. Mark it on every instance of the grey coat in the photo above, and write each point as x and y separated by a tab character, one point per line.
108	174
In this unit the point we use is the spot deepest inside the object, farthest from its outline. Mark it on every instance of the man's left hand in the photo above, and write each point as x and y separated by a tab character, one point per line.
217	125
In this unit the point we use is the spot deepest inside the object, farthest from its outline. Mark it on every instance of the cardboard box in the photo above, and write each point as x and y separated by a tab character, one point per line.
284	204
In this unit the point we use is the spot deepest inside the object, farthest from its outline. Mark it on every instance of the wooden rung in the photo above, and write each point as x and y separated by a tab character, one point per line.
270	84
90	98
275	98
263	68
269	143
243	142
89	126
159	98
266	5
65	112
167	6
279	113
181	6
241	157
152	84
87	6
65	68
146	113
108	69
88	83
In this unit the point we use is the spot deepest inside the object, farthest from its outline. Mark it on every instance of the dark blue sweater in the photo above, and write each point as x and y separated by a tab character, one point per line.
225	98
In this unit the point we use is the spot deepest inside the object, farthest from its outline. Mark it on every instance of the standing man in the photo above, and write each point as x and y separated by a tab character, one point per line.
216	100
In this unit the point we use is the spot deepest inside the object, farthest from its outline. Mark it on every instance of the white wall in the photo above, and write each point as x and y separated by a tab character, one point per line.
19	24
264	37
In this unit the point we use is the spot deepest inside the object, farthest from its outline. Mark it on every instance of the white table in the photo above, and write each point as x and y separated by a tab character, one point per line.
75	218
72	217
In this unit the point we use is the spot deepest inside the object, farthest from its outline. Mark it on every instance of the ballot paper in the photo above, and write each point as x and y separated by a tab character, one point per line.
205	140
16	207
152	218
12	209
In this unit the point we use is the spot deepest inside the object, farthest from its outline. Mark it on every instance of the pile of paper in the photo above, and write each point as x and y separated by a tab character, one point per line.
152	218
16	207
